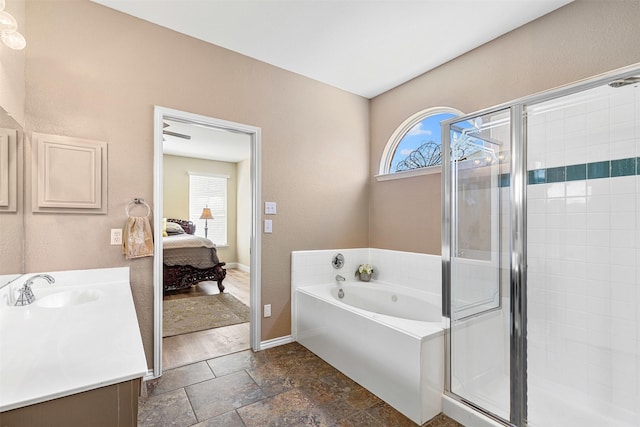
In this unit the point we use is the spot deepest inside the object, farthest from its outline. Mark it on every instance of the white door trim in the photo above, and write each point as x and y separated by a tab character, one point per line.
256	185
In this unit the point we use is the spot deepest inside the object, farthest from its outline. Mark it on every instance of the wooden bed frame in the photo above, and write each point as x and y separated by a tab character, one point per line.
182	277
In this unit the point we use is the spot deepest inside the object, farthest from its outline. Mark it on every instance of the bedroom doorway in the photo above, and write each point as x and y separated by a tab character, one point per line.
207	194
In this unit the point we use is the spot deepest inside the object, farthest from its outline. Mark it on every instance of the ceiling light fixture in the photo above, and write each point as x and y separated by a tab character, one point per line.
9	34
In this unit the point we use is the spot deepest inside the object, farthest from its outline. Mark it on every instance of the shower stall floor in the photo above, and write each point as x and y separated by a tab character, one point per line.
552	405
549	404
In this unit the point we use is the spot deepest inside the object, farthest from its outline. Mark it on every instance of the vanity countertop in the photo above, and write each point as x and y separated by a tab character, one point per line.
84	338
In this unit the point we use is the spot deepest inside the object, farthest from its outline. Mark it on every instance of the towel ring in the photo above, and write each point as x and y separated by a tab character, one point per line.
135	202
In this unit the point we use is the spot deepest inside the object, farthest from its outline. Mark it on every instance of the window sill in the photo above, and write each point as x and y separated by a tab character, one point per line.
409	174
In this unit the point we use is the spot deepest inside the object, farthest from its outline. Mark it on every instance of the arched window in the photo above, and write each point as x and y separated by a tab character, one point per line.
416	143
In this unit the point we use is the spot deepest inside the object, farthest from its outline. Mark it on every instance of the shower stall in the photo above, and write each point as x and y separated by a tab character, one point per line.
541	257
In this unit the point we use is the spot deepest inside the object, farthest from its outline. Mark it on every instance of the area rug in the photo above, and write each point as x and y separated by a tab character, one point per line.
184	315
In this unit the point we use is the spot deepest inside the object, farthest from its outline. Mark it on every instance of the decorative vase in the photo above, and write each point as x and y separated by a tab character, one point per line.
365	277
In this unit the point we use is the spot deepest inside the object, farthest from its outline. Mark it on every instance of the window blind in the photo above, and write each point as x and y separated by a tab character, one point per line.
209	191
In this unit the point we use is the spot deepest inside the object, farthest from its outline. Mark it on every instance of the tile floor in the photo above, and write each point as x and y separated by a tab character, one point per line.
285	386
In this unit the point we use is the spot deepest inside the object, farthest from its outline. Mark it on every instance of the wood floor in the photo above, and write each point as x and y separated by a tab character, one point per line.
181	350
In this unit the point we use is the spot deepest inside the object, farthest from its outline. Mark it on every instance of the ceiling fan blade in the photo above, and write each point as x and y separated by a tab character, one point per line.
177	135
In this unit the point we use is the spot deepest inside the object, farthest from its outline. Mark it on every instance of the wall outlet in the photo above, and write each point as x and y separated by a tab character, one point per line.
116	236
267	310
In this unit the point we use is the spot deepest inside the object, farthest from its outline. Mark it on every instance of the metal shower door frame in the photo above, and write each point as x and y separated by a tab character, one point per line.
518	189
518	238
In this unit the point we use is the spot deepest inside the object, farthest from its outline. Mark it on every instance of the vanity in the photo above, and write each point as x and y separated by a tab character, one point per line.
74	356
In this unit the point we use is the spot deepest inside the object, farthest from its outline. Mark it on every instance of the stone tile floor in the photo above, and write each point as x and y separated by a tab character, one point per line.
286	386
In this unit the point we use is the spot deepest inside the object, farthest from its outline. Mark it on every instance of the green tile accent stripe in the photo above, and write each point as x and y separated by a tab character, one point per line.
505	179
556	174
538	176
576	172
598	170
595	170
623	167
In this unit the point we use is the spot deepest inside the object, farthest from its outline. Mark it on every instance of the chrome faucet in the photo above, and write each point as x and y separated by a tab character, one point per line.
26	296
339	279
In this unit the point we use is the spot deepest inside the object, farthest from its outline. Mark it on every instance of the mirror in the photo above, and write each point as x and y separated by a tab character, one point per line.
11	198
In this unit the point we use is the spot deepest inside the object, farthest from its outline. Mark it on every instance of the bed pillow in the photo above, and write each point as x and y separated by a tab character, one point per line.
164	227
173	228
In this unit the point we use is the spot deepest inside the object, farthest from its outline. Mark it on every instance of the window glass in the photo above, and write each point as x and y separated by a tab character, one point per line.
420	146
206	191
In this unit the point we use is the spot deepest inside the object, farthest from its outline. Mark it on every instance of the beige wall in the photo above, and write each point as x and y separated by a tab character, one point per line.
12	65
176	194
580	40
96	73
243	241
12	100
12	223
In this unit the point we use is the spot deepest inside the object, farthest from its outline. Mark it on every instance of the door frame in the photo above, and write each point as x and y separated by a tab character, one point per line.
254	133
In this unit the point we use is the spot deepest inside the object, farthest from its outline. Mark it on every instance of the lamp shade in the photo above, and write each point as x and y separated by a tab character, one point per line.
206	214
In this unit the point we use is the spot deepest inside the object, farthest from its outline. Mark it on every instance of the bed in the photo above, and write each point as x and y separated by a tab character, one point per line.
188	259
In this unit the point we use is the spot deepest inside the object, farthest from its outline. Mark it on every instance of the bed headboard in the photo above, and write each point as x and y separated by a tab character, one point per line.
188	226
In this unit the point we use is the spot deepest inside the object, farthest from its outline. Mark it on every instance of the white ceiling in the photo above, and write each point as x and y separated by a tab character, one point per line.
362	46
206	142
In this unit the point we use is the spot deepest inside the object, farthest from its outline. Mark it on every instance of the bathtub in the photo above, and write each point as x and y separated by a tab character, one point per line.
392	302
388	339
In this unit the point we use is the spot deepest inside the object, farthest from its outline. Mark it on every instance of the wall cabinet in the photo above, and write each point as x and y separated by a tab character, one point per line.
68	174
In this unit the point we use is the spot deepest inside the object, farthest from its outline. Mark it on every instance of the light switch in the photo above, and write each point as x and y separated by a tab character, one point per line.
270	208
268	226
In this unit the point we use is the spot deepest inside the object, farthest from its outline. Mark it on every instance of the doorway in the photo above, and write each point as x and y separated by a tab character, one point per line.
177	134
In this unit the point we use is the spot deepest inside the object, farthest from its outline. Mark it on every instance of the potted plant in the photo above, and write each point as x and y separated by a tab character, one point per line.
364	272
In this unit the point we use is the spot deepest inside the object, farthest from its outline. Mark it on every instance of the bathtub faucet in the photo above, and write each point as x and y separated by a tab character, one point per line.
26	294
340	278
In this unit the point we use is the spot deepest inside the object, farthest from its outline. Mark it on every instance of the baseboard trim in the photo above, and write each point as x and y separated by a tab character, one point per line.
276	342
238	266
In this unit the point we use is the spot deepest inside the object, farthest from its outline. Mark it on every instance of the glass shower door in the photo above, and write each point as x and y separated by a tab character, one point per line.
583	287
476	260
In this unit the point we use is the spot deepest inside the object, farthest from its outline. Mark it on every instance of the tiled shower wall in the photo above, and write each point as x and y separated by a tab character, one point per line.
583	205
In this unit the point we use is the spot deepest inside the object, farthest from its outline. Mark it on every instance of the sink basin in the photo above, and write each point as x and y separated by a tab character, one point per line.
69	298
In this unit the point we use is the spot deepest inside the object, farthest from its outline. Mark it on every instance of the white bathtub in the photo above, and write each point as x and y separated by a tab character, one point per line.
387	338
400	302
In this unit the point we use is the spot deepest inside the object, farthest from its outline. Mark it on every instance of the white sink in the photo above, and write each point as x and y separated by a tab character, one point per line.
82	334
69	298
